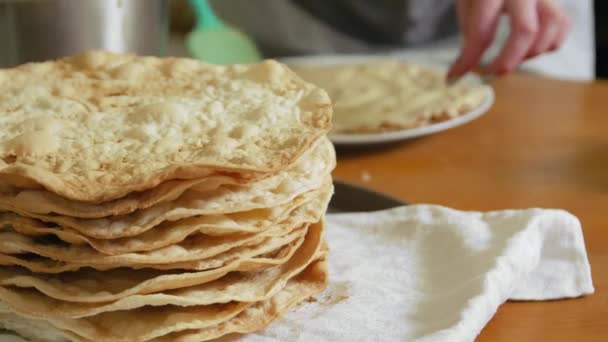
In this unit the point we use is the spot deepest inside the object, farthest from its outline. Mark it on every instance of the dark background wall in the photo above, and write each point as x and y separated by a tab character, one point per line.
601	38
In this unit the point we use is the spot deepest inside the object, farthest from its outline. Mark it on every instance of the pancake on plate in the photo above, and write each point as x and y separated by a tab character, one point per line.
390	95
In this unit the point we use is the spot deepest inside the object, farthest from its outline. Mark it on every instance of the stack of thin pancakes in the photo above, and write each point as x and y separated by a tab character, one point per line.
149	199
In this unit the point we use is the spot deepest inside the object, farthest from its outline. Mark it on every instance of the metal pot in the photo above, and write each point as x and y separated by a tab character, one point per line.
34	30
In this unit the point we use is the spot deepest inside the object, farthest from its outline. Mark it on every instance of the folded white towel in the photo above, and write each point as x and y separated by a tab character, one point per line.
429	273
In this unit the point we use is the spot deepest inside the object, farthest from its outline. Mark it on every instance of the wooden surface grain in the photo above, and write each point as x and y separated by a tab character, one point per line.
544	143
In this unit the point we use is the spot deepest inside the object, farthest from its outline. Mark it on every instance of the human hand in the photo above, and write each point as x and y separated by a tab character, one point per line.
537	26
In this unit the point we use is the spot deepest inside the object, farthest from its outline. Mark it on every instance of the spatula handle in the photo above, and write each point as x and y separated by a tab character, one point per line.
205	17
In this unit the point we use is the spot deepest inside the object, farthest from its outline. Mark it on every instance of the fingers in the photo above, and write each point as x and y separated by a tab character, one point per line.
524	28
462	8
554	26
478	20
537	26
564	29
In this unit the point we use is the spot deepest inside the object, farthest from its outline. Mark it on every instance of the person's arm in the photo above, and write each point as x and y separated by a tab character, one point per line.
537	26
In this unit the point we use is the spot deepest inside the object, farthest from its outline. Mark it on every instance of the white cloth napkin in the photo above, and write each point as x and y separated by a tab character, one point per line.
429	273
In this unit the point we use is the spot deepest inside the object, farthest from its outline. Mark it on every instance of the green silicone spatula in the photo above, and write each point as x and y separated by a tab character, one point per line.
214	42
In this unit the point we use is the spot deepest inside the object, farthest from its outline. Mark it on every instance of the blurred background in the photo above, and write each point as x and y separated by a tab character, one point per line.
40	29
601	38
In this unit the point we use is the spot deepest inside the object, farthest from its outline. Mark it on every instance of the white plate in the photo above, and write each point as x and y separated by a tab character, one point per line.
392	136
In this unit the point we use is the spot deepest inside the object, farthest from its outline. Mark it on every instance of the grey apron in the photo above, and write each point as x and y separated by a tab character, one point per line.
294	27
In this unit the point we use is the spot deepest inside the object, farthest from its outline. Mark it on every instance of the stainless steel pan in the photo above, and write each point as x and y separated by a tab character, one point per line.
34	30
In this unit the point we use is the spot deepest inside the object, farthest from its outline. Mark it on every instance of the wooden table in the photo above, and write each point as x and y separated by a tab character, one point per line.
543	144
